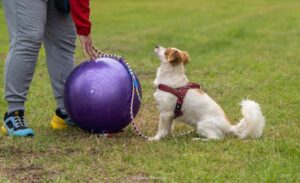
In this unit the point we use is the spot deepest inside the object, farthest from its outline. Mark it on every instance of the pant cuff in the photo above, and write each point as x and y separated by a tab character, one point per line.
60	103
14	106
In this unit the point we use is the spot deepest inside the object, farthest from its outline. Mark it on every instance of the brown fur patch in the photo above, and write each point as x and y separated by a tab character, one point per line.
175	56
185	57
168	52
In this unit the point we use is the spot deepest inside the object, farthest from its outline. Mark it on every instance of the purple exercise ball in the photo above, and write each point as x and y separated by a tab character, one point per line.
97	95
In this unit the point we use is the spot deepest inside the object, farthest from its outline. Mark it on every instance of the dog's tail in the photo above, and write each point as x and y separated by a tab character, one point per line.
252	123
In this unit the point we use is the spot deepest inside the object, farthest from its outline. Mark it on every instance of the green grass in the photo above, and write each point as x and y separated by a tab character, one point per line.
238	49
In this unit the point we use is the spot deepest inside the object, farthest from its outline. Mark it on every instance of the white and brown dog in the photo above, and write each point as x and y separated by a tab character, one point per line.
193	106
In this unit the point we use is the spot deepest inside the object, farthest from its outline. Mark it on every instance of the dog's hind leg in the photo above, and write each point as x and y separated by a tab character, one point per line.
164	127
212	129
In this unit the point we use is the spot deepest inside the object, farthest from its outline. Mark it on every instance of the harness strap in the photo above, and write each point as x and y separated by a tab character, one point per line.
180	93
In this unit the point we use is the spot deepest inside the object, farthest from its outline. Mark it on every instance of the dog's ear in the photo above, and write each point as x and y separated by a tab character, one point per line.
185	57
173	56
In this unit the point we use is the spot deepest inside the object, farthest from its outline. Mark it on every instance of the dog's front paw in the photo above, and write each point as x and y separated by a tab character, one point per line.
155	138
197	138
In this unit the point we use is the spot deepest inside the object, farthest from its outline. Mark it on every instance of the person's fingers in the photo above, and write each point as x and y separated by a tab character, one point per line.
93	51
89	49
85	45
84	48
95	54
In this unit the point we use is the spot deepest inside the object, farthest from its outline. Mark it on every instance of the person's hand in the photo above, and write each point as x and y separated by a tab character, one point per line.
87	46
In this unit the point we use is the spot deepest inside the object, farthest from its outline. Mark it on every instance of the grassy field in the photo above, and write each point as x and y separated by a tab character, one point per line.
238	49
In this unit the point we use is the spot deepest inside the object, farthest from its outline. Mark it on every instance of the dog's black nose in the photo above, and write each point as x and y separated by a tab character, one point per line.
157	46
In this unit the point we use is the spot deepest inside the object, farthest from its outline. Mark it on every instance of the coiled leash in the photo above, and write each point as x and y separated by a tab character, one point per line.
134	90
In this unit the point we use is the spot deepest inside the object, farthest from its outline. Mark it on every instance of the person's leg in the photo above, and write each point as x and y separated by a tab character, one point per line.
59	40
25	20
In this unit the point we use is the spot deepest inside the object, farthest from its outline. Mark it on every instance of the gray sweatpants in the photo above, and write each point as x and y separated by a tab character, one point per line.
31	22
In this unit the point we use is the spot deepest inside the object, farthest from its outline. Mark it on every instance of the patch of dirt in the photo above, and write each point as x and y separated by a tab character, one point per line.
22	167
26	173
10	150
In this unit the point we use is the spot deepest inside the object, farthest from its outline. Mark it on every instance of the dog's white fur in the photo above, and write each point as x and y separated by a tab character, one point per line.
199	110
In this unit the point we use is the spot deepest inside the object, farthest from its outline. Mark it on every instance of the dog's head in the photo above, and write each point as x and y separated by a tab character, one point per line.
172	56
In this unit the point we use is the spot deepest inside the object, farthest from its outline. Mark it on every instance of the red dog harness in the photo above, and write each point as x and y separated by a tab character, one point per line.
180	94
